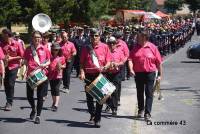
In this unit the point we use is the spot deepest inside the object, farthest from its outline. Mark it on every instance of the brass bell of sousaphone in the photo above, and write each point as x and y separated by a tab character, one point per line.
41	22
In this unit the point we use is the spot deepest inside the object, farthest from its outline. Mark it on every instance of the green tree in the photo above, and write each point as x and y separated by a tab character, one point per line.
61	11
173	5
132	4
10	11
194	5
32	7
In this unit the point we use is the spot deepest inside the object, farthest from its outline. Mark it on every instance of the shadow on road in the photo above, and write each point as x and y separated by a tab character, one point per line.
110	116
20	81
28	107
177	88
190	61
21	98
80	110
82	101
73	123
13	120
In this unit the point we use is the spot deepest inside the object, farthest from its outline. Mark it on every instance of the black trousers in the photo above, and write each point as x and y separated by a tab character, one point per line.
77	64
67	73
94	112
41	92
144	83
55	86
113	100
9	84
123	72
127	70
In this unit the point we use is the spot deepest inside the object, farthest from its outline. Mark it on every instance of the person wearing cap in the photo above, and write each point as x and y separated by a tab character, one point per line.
122	46
113	73
144	61
18	39
106	35
56	73
90	70
69	51
79	41
128	38
13	54
36	56
86	30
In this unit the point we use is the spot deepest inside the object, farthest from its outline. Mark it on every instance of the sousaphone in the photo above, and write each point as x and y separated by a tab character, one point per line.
41	22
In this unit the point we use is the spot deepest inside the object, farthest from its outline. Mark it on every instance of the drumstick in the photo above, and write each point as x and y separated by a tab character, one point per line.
87	80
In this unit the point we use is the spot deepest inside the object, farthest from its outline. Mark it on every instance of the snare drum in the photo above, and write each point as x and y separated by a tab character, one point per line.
36	78
100	89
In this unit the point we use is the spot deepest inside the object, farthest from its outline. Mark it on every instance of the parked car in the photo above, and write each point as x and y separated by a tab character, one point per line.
193	51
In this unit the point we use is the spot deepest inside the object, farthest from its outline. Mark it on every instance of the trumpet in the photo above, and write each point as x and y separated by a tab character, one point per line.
113	66
6	60
59	66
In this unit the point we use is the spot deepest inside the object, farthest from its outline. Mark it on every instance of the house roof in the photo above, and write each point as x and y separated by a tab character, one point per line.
160	2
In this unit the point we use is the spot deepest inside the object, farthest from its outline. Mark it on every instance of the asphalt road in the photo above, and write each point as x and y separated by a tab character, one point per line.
180	88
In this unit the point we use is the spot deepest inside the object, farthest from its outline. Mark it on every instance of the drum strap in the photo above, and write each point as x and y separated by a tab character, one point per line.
94	56
35	55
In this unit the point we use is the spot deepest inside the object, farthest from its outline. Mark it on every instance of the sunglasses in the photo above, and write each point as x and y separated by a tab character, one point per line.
95	35
55	49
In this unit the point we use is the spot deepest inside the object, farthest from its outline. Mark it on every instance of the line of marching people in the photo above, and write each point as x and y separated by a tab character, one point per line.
54	59
94	52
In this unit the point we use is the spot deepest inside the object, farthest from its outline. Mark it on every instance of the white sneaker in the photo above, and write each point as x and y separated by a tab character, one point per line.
65	90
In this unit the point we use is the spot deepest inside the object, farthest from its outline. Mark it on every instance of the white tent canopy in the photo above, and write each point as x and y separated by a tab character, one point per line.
151	15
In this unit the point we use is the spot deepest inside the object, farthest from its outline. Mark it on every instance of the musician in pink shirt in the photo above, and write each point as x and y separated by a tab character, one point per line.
56	73
122	46
91	68
36	49
113	73
13	54
144	61
2	67
69	52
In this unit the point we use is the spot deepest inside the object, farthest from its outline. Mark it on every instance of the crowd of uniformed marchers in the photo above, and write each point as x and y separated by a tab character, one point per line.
121	52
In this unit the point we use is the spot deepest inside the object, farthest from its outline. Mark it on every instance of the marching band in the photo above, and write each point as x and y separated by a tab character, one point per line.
112	51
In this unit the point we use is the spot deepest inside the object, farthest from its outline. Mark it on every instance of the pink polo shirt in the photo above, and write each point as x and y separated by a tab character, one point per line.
103	55
43	55
117	57
53	72
13	50
145	59
124	48
47	45
2	56
68	49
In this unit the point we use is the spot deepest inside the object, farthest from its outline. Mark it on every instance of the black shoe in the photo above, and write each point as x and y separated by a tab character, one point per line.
8	107
118	103
147	117
114	112
107	109
32	114
91	119
54	108
140	114
97	124
37	120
